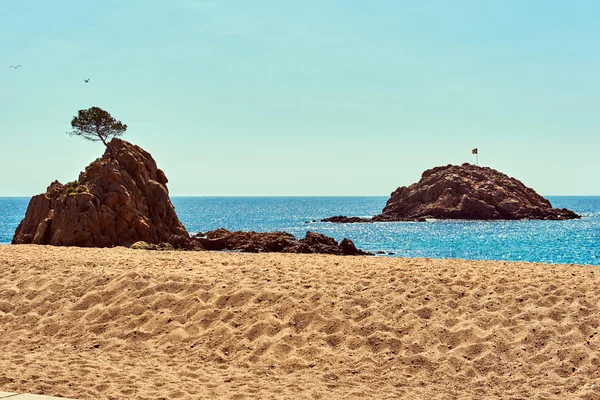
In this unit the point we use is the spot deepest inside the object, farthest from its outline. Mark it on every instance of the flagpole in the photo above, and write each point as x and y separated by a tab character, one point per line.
477	158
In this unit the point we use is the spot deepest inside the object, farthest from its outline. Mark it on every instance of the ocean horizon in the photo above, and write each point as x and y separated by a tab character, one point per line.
570	242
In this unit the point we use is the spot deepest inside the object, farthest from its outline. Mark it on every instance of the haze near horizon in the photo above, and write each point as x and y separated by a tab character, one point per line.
305	98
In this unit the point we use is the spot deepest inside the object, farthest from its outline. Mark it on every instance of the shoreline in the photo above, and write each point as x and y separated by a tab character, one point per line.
121	323
374	255
532	241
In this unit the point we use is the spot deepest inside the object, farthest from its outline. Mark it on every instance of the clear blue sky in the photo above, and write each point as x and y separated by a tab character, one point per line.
311	97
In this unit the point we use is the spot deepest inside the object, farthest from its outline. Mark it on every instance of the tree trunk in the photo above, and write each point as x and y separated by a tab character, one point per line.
108	147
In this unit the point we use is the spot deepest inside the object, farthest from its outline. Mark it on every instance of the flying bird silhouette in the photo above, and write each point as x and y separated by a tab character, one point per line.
87	80
15	66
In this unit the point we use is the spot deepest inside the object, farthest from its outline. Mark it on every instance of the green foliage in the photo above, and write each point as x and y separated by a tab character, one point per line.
74	187
95	124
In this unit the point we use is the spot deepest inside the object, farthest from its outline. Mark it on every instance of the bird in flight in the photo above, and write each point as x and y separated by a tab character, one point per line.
15	66
87	80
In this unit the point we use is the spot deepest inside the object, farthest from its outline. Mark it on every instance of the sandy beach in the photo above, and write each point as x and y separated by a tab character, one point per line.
133	324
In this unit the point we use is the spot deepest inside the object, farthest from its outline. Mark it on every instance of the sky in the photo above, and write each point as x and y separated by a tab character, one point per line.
305	98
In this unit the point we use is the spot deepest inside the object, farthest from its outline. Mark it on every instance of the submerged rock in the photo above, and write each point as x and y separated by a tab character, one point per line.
117	201
342	219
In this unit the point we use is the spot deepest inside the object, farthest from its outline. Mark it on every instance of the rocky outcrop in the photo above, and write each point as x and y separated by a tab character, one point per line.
122	199
469	192
282	242
464	192
116	201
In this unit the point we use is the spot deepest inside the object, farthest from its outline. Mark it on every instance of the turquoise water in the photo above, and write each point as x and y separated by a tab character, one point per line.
575	241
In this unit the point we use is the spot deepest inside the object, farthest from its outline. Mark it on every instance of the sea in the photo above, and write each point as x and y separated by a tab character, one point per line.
572	242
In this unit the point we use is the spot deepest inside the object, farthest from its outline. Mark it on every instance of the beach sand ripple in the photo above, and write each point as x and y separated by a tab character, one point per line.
130	324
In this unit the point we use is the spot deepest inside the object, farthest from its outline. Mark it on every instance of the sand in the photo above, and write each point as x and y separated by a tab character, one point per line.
133	324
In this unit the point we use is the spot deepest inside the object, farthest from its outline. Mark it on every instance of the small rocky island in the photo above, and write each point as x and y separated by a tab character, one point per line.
464	192
121	199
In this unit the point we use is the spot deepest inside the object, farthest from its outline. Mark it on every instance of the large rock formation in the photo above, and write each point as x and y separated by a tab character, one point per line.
469	192
282	242
122	200
465	192
116	201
